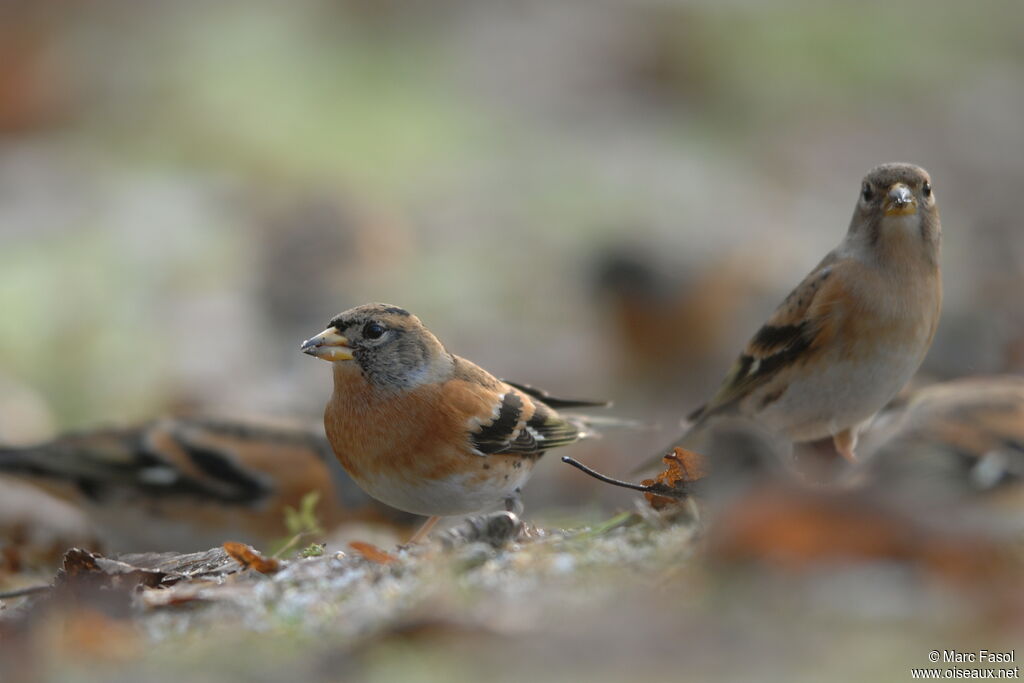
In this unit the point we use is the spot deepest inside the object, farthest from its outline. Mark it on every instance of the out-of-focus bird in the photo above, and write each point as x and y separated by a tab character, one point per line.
854	331
316	243
953	440
673	325
35	88
189	483
424	430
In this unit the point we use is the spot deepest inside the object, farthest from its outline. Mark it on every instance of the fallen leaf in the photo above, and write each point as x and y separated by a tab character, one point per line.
85	566
250	558
372	552
682	467
207	564
90	580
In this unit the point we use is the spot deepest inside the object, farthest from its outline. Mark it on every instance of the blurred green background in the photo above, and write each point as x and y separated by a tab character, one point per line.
188	190
600	198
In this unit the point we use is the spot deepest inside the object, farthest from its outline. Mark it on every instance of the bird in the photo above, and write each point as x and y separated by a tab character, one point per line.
188	482
672	318
953	440
427	431
853	332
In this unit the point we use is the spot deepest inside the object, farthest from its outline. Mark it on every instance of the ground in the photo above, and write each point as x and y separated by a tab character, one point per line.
643	595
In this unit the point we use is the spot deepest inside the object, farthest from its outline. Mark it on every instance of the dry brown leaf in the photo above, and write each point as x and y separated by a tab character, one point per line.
84	566
372	552
682	467
210	563
250	558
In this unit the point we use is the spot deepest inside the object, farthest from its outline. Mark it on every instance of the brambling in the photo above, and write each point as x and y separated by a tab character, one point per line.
854	331
424	430
673	324
189	483
953	439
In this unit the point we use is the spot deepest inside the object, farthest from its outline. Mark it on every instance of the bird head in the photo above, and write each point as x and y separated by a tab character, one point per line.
387	344
896	203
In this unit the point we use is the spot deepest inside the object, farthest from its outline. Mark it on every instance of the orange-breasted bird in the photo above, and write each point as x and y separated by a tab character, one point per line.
424	430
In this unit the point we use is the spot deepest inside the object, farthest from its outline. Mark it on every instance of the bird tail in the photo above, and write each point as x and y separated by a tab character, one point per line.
593	426
555	402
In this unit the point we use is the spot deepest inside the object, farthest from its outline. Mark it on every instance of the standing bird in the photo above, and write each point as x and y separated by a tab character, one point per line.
424	430
847	339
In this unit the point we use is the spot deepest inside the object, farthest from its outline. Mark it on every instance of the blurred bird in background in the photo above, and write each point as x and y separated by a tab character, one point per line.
952	441
315	244
33	93
675	321
849	337
190	483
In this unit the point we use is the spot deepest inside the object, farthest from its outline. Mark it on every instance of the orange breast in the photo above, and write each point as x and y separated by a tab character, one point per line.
404	434
866	308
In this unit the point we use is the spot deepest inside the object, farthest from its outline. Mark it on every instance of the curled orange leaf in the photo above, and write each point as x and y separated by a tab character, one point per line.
372	552
250	558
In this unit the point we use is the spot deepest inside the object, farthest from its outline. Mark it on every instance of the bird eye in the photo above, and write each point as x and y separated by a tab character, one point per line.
927	189
866	192
373	331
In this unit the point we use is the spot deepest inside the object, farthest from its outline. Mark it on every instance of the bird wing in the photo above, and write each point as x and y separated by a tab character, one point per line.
502	419
523	426
802	323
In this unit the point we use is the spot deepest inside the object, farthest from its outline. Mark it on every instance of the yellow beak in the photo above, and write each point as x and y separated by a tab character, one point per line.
328	345
900	201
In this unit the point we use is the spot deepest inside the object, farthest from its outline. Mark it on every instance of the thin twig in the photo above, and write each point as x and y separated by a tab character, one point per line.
603	477
657	488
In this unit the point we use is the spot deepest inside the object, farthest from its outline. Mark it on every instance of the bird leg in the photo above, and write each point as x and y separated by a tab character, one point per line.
514	503
422	532
845	443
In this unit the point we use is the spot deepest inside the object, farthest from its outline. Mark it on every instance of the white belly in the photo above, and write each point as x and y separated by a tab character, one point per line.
457	494
840	395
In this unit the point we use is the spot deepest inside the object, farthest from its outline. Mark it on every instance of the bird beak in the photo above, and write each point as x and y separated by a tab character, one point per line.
329	345
900	201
